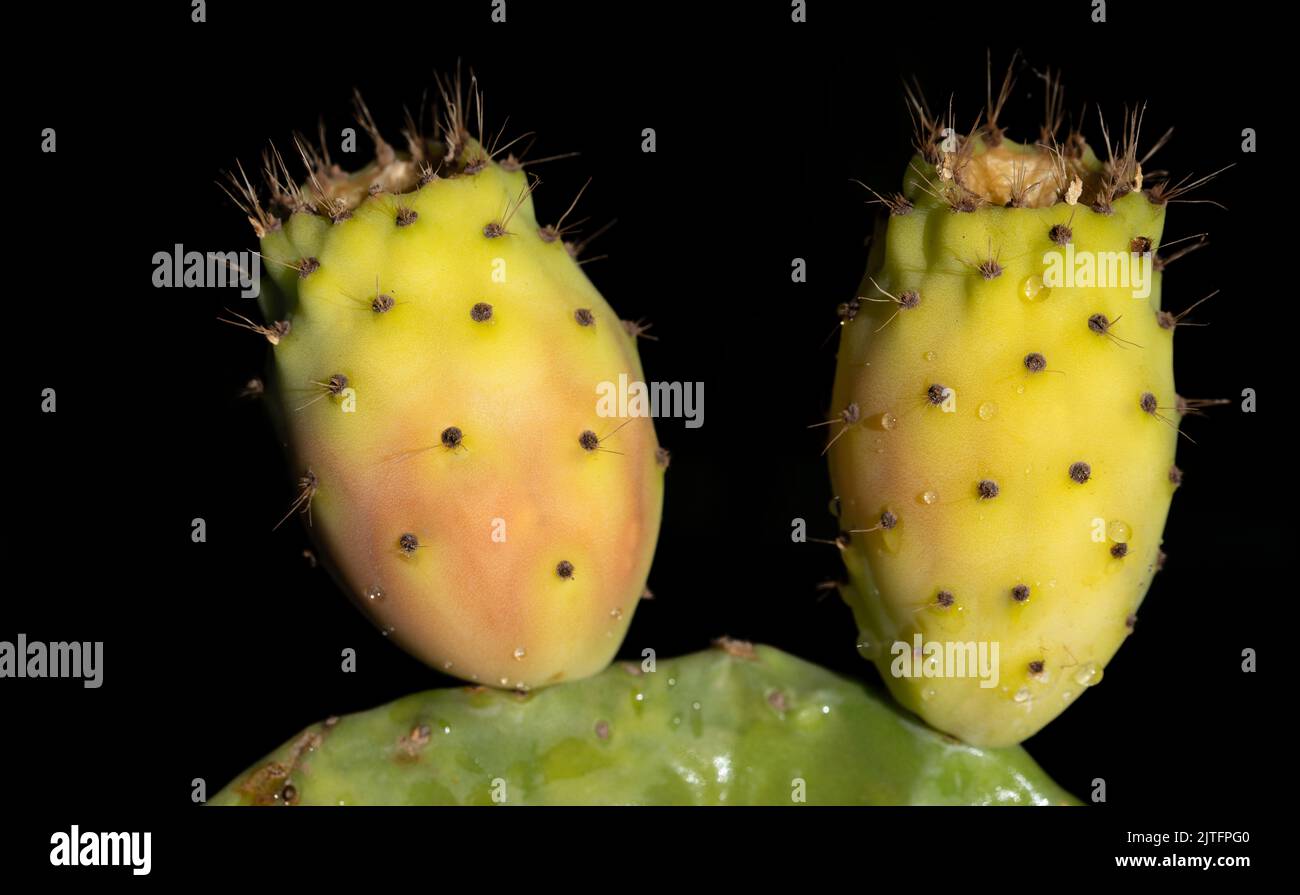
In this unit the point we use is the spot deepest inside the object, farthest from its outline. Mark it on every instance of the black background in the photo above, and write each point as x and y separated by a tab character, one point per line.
215	653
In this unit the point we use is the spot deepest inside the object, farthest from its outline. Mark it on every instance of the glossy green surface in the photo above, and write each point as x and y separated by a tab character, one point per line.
737	725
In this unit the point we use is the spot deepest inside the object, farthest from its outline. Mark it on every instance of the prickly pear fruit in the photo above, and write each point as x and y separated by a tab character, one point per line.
1005	424
740	725
436	362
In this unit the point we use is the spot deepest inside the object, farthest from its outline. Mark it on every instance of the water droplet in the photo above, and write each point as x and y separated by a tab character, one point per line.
988	410
888	421
695	706
928	693
930	355
375	592
868	649
447	665
1020	389
1118	531
1088	676
1022	695
520	652
1032	288
826	710
929	498
1067	696
677	720
505	682
672	682
616	613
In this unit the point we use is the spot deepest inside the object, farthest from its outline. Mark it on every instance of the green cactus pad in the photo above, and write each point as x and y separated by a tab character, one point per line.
736	725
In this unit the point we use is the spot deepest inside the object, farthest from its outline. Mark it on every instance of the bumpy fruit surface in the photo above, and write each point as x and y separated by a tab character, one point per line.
1004	441
436	362
741	725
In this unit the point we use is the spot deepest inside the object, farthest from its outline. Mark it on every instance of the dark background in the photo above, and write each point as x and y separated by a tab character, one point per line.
215	653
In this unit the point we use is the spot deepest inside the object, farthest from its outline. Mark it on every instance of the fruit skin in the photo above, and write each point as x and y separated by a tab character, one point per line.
1019	428
764	718
389	290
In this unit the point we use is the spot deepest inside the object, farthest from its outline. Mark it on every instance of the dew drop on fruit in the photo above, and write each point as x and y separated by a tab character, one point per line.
1118	531
1088	676
888	421
375	593
520	652
1032	289
616	613
930	355
867	649
929	498
928	693
1022	695
988	410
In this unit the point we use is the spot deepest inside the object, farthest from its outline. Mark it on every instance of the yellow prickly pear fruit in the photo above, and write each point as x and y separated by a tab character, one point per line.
1005	425
437	359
